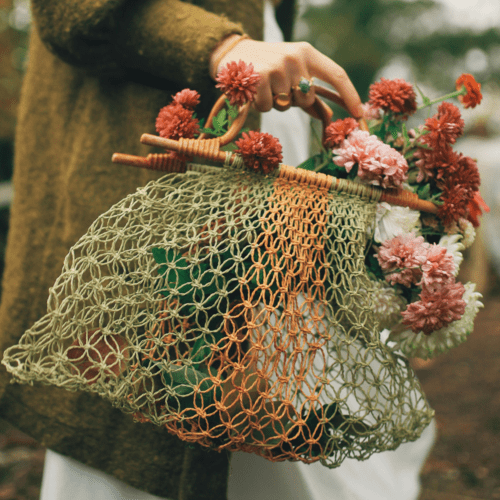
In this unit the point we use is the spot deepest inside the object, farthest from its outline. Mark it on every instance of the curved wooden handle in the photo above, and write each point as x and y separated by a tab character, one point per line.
319	110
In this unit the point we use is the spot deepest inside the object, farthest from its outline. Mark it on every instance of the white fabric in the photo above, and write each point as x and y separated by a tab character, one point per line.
392	475
66	479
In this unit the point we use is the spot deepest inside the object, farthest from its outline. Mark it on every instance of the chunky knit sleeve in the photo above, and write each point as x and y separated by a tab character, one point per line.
170	39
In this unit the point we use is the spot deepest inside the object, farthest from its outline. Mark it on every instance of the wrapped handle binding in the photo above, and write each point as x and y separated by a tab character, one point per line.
210	149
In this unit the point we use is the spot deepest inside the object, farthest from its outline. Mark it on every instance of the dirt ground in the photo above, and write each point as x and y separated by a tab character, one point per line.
463	387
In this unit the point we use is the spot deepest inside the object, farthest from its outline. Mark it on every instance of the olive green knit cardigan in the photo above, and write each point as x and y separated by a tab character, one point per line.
99	71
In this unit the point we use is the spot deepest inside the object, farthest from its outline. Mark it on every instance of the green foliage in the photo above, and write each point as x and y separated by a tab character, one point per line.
222	121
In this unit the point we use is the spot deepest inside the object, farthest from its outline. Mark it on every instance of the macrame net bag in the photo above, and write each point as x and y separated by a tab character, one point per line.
234	309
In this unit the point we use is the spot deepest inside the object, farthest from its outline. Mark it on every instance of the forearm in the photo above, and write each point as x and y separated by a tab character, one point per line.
169	39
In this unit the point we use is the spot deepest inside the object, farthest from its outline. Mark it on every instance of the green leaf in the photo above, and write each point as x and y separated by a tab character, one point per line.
232	111
424	191
393	130
159	255
404	131
229	147
309	164
373	265
334	170
185	379
176	275
353	172
220	120
200	351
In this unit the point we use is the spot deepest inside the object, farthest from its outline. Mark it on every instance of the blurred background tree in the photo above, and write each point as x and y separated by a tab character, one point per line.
418	36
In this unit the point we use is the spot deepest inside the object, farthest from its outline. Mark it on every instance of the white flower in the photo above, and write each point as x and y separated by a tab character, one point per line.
419	345
387	304
384	301
392	220
454	247
468	231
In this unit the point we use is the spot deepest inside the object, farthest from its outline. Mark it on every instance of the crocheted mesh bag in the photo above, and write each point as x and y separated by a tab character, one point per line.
233	309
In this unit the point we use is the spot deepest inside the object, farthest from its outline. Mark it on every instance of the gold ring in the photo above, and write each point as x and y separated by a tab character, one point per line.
282	101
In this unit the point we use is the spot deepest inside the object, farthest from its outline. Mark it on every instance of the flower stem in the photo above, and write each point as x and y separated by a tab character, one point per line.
322	165
451	95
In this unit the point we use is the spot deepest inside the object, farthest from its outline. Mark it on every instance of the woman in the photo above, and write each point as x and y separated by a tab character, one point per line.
99	71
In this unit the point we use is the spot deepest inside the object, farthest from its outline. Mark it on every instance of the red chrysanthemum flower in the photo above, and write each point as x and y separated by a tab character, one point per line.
260	151
175	121
396	95
476	208
463	172
473	96
455	198
435	163
436	309
444	128
337	131
238	81
187	98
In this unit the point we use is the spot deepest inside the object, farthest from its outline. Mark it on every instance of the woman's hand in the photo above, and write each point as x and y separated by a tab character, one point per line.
281	67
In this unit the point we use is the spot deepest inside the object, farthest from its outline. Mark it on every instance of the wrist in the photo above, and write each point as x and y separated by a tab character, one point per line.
224	46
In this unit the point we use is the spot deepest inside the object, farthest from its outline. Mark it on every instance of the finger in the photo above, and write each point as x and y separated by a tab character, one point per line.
303	99
281	89
264	98
325	69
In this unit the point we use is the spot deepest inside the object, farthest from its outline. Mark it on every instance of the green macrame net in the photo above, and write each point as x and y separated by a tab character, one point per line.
235	310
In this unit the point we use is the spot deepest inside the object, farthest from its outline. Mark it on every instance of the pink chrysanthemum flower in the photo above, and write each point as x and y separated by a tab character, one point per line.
378	163
396	95
436	309
260	151
175	121
371	112
337	131
187	98
238	81
402	258
438	269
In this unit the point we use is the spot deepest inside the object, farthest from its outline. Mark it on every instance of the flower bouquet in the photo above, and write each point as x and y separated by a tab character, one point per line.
266	308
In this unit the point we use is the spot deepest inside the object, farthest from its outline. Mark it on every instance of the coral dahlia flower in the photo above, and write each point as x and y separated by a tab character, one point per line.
187	98
338	130
238	81
396	95
260	151
175	121
473	96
